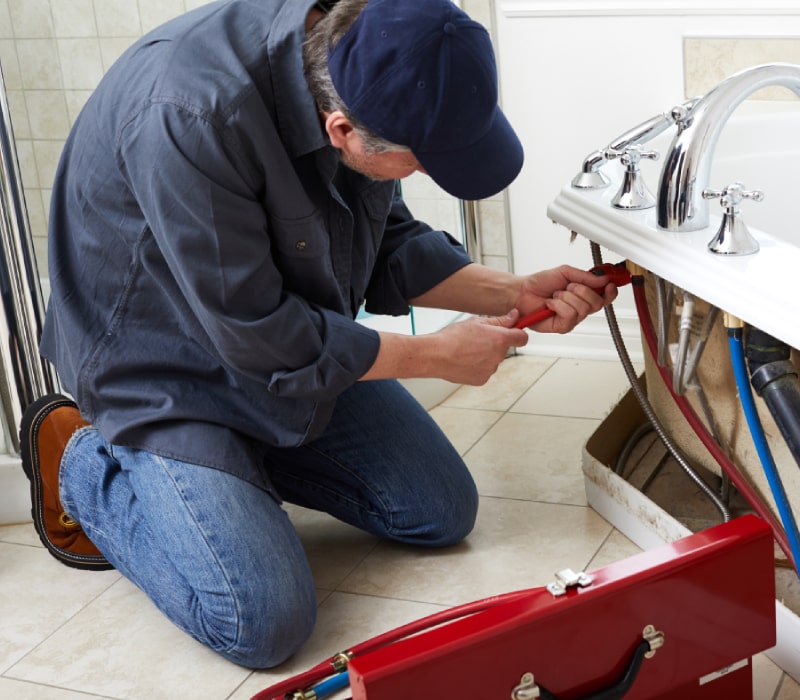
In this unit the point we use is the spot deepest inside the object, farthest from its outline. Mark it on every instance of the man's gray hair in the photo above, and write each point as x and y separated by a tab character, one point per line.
322	37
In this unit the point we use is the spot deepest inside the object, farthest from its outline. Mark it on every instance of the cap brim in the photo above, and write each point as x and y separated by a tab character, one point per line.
481	169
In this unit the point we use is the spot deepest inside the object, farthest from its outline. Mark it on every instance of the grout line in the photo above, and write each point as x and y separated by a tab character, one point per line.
538	502
337	588
597	551
778	687
375	596
57	629
244	680
37	684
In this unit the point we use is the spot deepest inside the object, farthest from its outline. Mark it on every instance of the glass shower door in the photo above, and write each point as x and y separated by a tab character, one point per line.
440	210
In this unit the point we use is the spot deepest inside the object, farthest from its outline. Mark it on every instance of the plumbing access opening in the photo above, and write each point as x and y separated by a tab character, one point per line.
693	469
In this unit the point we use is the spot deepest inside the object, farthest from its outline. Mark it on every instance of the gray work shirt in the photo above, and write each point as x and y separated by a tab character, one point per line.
208	251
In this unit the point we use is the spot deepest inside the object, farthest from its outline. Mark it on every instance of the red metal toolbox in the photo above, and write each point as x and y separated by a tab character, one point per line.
703	604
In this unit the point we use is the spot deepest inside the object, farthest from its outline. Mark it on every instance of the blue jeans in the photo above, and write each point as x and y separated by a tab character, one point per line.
219	556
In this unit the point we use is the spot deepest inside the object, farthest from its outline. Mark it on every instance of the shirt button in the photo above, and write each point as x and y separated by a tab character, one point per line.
300	245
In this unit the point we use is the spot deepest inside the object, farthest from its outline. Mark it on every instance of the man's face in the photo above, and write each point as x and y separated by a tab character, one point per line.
391	165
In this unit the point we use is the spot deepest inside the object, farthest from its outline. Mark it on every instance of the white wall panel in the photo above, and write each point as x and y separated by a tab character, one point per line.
576	74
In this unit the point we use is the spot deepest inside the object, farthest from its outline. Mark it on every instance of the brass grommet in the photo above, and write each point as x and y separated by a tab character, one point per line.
68	523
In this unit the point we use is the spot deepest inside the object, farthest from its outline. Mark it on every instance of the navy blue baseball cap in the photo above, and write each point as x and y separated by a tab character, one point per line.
422	74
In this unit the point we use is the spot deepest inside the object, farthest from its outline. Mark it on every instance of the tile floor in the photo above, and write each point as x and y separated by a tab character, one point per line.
71	635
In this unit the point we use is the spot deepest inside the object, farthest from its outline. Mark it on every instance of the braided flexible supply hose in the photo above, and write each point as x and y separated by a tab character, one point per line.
630	372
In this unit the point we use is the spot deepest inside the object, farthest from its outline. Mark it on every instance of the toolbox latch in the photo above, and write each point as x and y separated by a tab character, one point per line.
527	689
566	579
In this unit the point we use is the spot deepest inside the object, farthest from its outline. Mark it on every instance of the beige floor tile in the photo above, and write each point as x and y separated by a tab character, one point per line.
515	545
333	548
616	548
766	678
576	388
20	534
344	620
536	458
322	595
18	690
513	377
790	689
101	638
37	596
123	647
464	426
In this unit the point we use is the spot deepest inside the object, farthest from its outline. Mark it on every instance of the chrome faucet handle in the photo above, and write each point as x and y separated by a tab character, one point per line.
633	194
630	155
733	236
731	196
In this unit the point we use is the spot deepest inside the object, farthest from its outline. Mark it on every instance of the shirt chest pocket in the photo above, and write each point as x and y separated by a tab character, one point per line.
303	239
301	253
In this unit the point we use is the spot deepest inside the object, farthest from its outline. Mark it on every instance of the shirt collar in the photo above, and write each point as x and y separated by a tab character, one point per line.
296	111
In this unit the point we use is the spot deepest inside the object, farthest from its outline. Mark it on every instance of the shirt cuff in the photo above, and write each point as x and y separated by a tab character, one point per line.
413	269
350	349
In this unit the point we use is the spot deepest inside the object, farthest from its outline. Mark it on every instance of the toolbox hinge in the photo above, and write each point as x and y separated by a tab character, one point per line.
566	579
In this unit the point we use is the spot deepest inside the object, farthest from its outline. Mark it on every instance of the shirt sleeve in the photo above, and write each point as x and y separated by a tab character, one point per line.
197	193
413	258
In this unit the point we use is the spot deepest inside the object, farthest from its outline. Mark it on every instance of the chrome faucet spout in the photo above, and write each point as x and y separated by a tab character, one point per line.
685	174
590	176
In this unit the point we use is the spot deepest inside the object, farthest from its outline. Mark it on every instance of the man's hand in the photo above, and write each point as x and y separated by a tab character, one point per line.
467	352
474	348
568	292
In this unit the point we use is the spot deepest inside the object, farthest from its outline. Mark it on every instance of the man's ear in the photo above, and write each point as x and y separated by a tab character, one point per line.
340	130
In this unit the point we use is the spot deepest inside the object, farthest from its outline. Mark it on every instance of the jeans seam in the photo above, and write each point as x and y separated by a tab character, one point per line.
385	511
64	459
201	530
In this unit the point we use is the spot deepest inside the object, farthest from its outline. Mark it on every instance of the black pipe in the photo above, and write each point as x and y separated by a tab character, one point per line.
776	380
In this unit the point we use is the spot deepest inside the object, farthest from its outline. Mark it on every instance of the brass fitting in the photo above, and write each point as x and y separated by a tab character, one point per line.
732	321
340	660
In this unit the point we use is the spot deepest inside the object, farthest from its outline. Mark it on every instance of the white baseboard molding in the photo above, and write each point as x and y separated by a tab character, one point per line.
15	499
591	340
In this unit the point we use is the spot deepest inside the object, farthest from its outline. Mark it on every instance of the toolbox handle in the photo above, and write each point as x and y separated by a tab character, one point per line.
620	688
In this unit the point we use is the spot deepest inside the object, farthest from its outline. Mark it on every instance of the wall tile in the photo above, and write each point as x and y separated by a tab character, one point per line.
27	163
431	204
438	213
5	21
112	48
75	100
497	262
73	18
421	186
47	114
709	60
36	219
117	18
47	154
31	18
39	64
81	63
156	12
492	219
46	194
479	10
40	253
10	65
19	114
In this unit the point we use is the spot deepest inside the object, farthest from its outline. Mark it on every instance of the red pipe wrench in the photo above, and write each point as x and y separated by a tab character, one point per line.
617	272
